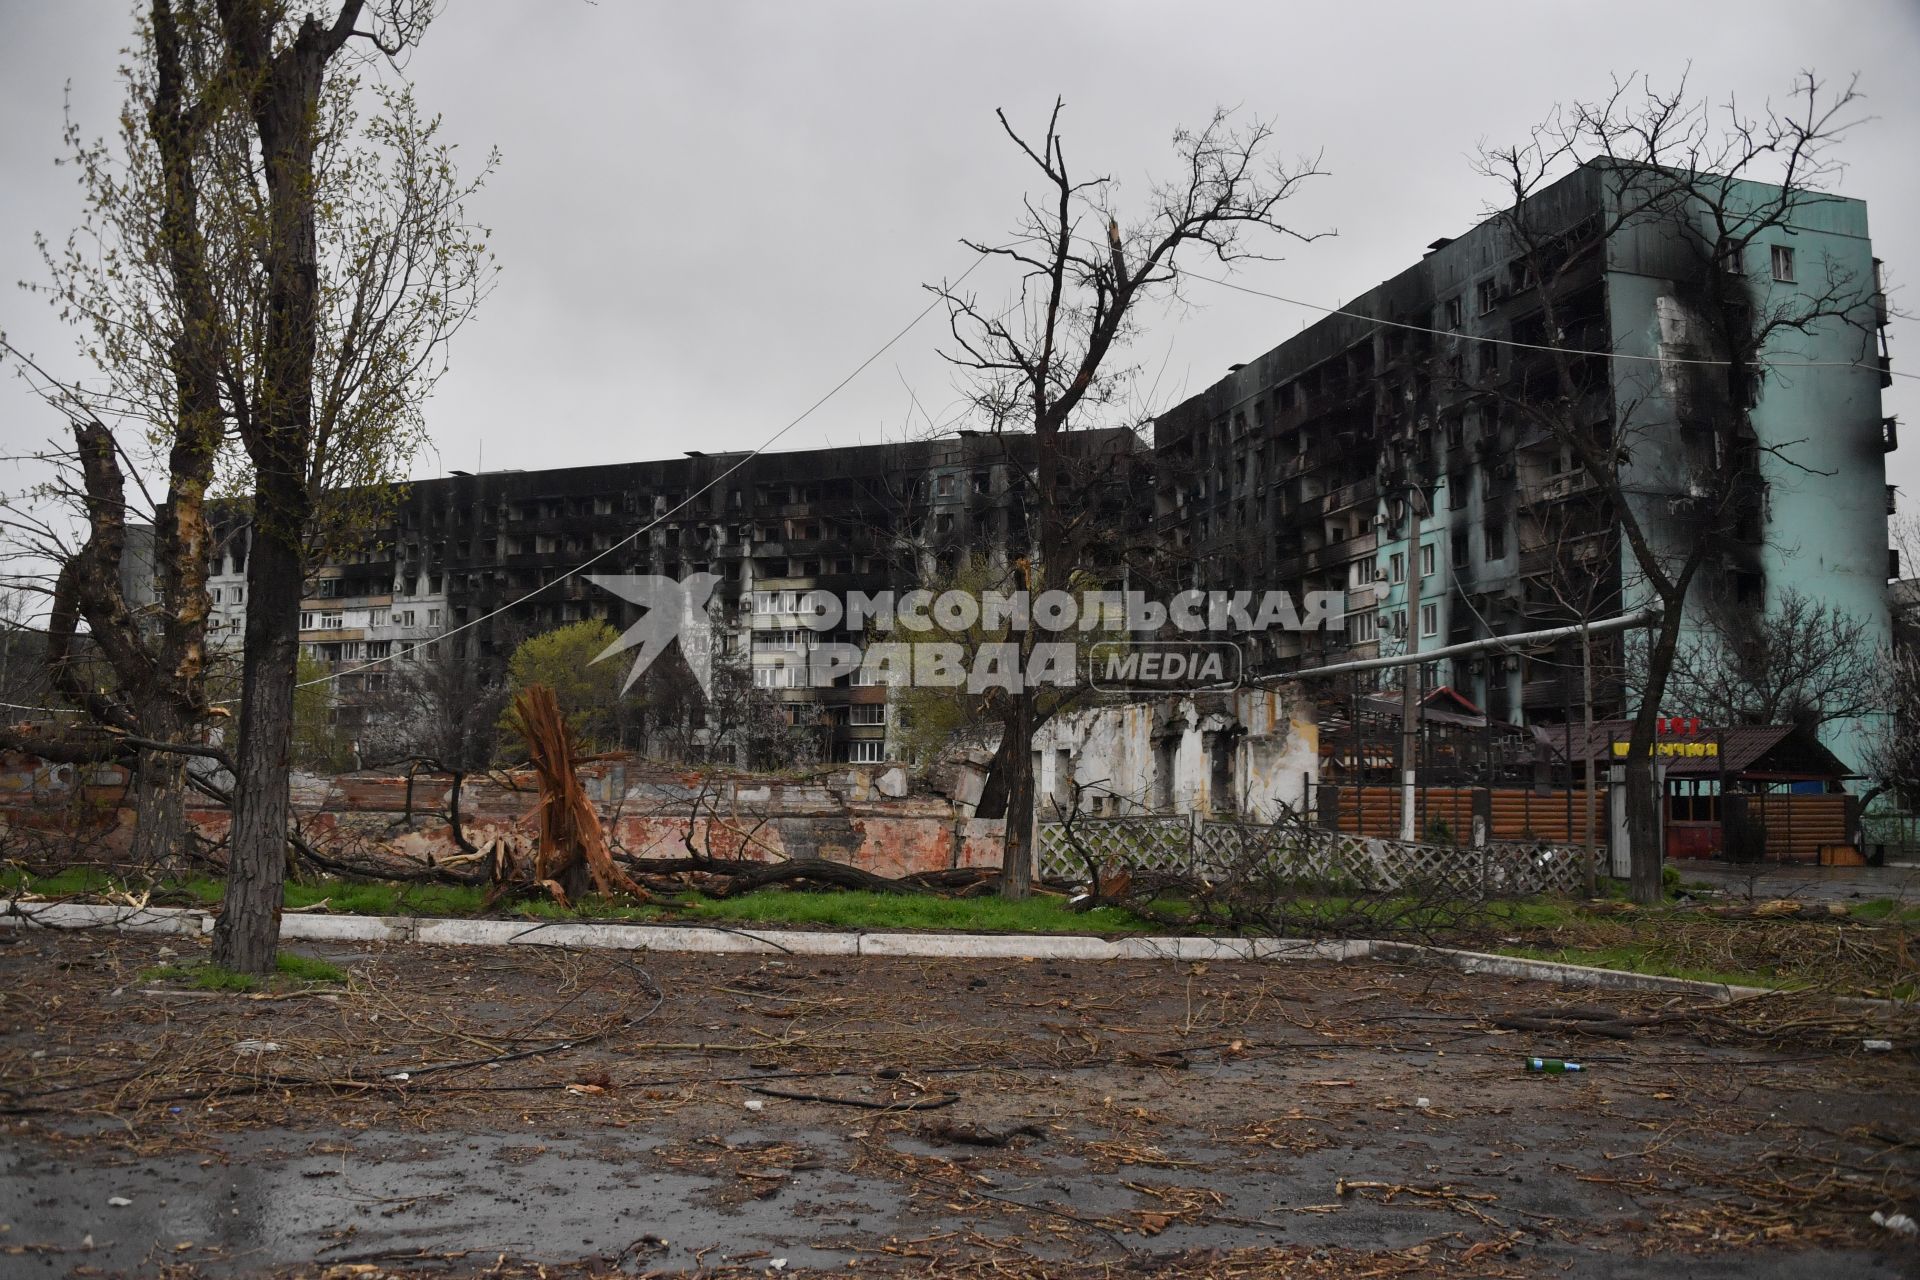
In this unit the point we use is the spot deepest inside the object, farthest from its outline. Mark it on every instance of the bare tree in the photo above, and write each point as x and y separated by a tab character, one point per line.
1047	365
732	721
366	267
1892	761
23	670
269	264
137	280
436	710
1802	663
1709	185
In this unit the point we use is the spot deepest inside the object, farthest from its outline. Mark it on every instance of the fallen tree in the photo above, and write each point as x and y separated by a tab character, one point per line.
572	851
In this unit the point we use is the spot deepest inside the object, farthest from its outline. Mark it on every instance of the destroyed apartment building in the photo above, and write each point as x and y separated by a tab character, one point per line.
1302	471
468	565
1299	470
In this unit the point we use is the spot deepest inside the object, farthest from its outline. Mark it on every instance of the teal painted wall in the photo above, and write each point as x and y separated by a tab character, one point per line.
1825	516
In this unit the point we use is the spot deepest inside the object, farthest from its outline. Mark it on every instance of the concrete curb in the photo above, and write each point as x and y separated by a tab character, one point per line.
953	946
1572	975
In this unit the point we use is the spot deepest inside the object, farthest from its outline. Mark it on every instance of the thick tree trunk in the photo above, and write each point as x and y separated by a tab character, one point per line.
248	930
279	438
454	823
1648	857
1016	864
159	809
993	791
1646	849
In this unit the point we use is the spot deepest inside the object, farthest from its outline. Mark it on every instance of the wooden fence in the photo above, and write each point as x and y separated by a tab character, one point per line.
1517	813
1778	827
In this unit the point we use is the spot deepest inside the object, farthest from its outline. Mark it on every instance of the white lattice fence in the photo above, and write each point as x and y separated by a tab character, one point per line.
1143	844
1522	869
1294	851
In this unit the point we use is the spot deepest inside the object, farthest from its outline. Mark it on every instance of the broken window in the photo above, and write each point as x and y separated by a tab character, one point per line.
1487	295
1453	313
1166	753
1220	795
1783	264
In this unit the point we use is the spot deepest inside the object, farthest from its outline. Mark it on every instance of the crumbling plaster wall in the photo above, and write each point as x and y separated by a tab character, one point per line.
1249	751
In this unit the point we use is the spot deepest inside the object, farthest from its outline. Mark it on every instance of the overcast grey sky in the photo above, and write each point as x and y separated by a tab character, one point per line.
707	214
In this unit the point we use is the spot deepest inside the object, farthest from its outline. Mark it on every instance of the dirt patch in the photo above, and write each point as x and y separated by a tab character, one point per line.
456	1110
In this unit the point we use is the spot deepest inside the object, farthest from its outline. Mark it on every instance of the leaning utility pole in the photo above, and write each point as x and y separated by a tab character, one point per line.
1586	693
1410	681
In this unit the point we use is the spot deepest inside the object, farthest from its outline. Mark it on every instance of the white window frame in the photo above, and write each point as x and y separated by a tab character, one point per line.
875	713
1397	567
866	751
1429	620
1782	263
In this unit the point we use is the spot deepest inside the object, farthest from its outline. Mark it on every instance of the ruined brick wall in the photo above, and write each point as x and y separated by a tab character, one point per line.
862	816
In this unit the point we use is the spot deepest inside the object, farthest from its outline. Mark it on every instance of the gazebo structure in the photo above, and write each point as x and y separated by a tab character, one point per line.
1742	792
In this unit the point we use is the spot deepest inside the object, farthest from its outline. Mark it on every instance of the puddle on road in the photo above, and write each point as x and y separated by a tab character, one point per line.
280	1202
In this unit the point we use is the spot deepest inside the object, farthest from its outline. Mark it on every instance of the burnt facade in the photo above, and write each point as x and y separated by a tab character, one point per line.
471	564
1309	467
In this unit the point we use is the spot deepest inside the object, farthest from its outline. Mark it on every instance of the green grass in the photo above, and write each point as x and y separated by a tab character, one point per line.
1533	913
841	909
385	898
854	909
590	908
291	970
308	968
72	880
836	908
1887	910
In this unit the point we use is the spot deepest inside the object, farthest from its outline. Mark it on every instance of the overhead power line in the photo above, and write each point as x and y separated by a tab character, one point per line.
1537	346
683	505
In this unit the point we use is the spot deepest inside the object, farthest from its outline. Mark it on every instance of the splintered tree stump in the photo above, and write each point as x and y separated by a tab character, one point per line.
572	854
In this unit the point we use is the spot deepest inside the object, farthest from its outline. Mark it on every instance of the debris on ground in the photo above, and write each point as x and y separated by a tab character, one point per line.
1219	1120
